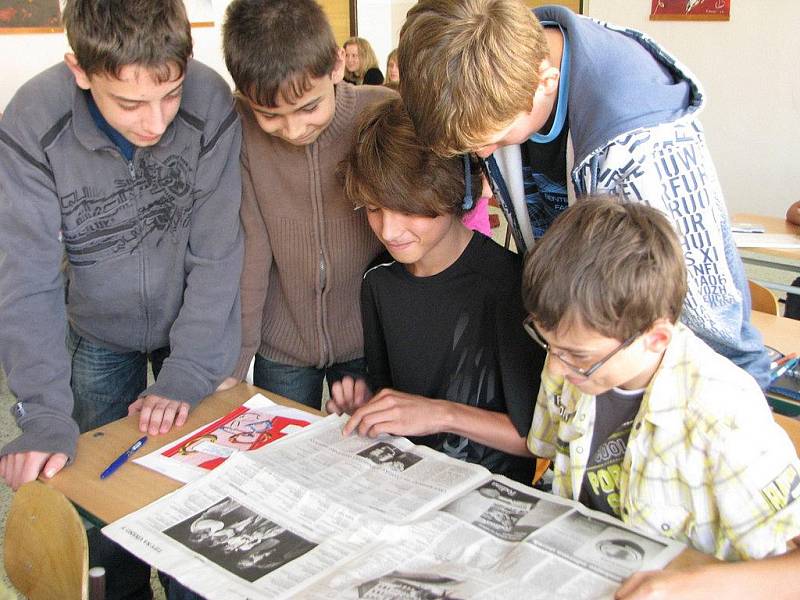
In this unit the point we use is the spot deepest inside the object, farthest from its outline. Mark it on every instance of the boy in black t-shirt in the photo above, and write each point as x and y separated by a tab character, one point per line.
447	356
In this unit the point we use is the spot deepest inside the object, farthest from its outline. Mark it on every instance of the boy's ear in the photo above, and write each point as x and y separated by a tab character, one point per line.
548	78
81	78
659	335
337	74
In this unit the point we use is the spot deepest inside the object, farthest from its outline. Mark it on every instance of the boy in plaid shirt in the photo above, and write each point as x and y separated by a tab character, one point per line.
642	419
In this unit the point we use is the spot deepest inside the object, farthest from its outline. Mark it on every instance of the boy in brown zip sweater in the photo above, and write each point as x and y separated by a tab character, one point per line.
305	247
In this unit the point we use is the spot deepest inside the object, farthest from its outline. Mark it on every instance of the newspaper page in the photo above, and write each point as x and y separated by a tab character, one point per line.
270	522
501	541
254	424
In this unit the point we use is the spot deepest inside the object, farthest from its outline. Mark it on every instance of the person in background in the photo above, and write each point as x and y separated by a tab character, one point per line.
792	213
392	71
361	65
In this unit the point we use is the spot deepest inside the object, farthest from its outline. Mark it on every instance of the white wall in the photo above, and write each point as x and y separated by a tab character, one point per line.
379	22
749	69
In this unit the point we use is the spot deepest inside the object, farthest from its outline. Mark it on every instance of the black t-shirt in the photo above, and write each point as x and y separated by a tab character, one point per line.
615	411
457	336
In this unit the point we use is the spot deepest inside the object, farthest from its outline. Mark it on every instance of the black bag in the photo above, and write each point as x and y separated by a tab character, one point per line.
793	303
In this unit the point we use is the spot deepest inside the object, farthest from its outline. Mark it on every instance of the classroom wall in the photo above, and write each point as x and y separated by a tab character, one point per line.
748	67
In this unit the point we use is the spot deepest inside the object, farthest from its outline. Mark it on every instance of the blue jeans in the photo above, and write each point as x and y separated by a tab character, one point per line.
105	383
303	384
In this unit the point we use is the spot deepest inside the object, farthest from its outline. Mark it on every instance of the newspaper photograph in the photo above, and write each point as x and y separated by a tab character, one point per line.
321	515
254	424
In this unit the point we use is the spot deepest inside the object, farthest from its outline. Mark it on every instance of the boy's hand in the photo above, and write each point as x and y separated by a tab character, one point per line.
698	583
159	414
347	395
23	467
227	384
397	413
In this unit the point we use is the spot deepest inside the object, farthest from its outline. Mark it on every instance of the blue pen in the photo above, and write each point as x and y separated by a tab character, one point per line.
123	458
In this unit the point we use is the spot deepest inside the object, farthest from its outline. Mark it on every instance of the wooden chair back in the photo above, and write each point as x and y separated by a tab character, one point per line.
46	553
763	300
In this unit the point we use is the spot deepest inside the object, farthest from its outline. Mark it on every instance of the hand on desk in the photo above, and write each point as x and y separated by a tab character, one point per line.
23	467
158	414
396	413
227	384
347	395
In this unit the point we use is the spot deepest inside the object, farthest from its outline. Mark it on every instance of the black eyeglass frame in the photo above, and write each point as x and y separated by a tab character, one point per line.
531	330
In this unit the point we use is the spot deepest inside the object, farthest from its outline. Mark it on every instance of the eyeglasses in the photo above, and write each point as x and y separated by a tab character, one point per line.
531	330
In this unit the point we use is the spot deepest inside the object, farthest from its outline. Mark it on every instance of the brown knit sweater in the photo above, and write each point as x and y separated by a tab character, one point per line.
305	247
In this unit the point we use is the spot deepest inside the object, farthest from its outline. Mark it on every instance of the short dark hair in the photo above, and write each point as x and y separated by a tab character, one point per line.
276	47
614	266
107	35
388	167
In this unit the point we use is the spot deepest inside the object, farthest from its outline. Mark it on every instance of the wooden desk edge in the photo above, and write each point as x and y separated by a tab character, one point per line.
134	486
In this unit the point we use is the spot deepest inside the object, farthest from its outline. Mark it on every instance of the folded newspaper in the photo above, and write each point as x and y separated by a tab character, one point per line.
318	515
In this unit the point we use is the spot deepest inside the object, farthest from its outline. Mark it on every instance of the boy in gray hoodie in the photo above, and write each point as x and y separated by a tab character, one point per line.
124	161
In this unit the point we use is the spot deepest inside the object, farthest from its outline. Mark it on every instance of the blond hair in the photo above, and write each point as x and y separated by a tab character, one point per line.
610	265
471	66
366	56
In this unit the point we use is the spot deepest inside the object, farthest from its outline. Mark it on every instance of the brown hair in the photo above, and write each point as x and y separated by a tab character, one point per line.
388	167
366	56
472	66
107	35
612	265
276	47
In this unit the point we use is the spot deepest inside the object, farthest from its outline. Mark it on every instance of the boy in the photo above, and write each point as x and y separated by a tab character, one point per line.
578	107
446	355
123	160
305	247
641	418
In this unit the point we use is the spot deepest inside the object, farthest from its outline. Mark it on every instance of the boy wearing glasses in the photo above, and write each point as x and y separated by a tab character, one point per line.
641	418
447	357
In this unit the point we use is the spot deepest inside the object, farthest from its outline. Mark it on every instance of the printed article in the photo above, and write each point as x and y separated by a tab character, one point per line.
320	515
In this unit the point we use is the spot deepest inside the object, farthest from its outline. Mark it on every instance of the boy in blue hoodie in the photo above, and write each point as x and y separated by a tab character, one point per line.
562	106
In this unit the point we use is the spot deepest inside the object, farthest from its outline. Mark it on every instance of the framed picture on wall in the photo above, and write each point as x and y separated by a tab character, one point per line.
44	16
690	10
30	16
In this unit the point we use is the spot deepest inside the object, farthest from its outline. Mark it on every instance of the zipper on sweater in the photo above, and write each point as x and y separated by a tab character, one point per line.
323	280
142	275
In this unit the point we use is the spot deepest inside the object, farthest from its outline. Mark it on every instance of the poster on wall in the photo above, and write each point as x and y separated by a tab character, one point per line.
44	16
30	16
690	10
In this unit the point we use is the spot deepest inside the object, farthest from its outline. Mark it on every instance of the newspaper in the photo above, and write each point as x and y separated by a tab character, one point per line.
254	424
319	515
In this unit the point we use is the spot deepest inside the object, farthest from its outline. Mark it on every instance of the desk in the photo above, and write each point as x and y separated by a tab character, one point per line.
782	334
785	259
134	486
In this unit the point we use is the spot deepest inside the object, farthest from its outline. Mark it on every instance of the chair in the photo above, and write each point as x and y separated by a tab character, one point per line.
762	299
46	552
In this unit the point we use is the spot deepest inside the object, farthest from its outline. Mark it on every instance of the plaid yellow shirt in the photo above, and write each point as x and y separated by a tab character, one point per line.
706	464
